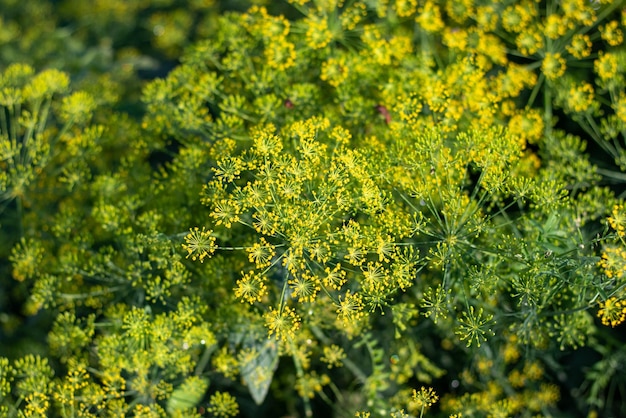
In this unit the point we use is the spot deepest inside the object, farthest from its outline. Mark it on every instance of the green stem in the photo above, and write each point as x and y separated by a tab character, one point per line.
300	372
204	359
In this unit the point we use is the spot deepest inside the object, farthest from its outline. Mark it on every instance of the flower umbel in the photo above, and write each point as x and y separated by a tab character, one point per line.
282	323
617	220
251	287
223	404
199	244
612	311
424	398
472	327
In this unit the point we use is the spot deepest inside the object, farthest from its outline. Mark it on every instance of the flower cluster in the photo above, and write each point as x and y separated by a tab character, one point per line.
378	186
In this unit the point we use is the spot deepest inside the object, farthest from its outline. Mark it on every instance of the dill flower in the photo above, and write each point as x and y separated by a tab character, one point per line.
77	108
251	287
334	278
460	11
333	356
310	384
473	326
553	66
199	244
223	404
424	398
580	98
555	26
318	34
430	17
606	66
517	17
261	253
405	8
351	307
612	312
304	287
26	258
487	17
617	220
528	125
530	41
579	46
334	71
579	11
612	34
280	54
613	262
282	323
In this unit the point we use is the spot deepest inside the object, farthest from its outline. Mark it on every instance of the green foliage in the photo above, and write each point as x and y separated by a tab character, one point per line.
393	208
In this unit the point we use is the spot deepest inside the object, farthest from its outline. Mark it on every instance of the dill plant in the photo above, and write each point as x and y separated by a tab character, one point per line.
346	206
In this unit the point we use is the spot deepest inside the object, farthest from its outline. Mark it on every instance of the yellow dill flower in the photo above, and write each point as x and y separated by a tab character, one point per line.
223	405
517	17
335	71
580	98
424	398
261	253
225	363
613	262
351	307
611	33
282	323
460	10
548	395
516	379
456	38
487	17
516	78
400	47
429	17
528	126
510	352
492	48
45	84
318	34
353	15
606	66
617	220
280	54
533	370
77	108
405	8
310	384
334	278
555	26
225	212
553	66
436	96
580	11
579	46
333	356
612	311
530	41
408	109
200	244
304	287
251	287
26	258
